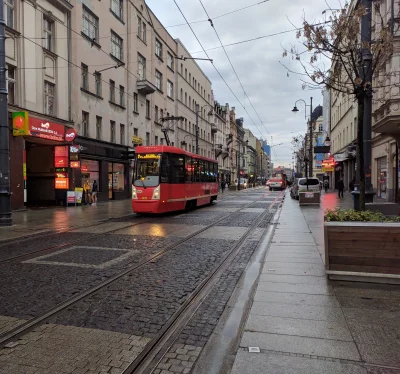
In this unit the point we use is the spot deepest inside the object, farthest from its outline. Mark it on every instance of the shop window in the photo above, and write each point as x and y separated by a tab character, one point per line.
90	171
118	176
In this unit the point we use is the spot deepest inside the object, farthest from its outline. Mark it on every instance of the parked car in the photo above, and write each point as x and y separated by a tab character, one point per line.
304	185
243	182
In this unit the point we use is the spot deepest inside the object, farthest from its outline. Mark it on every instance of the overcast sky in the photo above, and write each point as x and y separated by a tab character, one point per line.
257	63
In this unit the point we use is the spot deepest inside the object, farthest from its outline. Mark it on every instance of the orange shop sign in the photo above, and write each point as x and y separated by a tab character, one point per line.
74	164
62	183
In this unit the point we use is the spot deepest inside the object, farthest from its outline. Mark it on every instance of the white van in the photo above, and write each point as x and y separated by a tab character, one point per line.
243	182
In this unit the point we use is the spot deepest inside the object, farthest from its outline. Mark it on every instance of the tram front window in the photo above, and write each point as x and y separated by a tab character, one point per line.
147	170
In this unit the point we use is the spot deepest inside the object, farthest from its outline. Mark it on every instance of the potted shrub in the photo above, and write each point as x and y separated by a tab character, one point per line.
362	245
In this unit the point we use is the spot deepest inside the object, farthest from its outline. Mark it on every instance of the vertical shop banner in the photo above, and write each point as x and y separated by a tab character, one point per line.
61	156
20	123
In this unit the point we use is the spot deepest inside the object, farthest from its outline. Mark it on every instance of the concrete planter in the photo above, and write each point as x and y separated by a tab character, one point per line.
363	251
309	198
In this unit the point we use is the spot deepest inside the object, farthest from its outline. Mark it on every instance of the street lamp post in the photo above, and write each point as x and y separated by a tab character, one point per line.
197	123
310	156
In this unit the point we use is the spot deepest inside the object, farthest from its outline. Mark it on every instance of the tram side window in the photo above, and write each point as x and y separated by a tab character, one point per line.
203	175
214	172
165	168
196	170
189	169
177	169
208	171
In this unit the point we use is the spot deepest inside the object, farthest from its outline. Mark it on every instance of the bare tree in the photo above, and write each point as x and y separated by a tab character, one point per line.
332	54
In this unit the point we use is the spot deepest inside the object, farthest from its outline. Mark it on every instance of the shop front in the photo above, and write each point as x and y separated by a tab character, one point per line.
107	164
39	161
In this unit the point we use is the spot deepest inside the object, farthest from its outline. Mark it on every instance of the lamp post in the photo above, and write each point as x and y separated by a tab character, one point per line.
310	156
197	122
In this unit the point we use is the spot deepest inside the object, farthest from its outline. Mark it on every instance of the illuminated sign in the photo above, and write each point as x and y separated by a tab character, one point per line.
60	162
73	149
84	169
75	164
147	156
20	123
61	170
328	170
61	151
70	135
46	130
62	183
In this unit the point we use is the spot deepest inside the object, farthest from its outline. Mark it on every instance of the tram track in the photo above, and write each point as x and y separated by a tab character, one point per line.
25	327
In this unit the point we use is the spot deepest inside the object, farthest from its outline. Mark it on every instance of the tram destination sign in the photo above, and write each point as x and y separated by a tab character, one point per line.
147	156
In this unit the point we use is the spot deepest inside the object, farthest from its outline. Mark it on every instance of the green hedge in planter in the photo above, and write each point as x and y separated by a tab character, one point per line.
350	215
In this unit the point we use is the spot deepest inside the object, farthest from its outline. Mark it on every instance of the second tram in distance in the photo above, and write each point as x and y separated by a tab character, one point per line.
168	179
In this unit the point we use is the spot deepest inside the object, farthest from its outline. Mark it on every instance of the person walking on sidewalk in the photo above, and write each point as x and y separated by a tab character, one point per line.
340	186
95	189
222	186
326	185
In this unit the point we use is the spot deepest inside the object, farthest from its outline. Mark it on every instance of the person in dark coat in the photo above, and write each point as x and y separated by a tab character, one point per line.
340	186
222	186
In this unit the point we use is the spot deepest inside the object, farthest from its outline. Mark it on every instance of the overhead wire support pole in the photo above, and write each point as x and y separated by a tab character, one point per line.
5	193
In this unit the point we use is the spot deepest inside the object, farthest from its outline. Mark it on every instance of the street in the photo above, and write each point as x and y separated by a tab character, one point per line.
97	298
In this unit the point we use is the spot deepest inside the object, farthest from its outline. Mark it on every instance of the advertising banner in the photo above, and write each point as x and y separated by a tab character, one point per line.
46	130
20	123
78	194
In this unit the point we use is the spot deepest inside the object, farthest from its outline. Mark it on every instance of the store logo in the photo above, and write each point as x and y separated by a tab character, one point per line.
70	135
45	125
73	149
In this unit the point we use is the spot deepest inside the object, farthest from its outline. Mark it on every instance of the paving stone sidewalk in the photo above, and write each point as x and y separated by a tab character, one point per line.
305	324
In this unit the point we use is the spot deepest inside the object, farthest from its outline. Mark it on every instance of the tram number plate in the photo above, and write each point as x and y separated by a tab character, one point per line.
144	198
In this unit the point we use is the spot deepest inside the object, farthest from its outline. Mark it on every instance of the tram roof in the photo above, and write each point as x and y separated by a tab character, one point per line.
169	149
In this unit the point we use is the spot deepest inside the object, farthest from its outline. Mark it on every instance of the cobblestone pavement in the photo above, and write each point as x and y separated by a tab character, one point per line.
106	330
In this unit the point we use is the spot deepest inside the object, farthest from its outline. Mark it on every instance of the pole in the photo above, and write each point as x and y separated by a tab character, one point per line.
311	142
238	165
5	196
197	129
396	175
366	35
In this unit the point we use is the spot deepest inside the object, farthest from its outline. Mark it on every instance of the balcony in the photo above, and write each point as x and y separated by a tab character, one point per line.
145	87
213	128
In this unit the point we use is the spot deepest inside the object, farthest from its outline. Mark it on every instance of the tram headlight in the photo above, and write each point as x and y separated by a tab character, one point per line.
134	194
156	193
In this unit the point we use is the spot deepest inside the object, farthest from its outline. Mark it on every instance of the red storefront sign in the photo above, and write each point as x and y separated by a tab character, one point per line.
46	130
61	151
75	164
60	162
70	135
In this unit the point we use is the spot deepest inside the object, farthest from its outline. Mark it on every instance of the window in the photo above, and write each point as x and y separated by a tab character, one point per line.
185	124
181	94
161	113
121	96
90	24
158	49
122	133
117	7
181	69
190	77
98	127
135	131
141	67
321	127
48	27
190	102
170	89
159	79
177	169
97	80
91	172
147	138
162	141
11	84
170	61
135	102
9	13
85	73
112	91
85	124
156	113
185	73
185	98
147	109
112	131
116	46
49	98
144	32
156	140
139	27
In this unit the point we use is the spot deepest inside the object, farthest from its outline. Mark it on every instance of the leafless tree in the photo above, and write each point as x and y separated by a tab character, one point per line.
331	53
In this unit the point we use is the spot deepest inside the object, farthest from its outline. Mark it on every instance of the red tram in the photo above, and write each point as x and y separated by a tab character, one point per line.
168	178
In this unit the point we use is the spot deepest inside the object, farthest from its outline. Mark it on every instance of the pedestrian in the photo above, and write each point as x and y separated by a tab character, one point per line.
340	186
222	186
86	192
352	183
94	192
326	185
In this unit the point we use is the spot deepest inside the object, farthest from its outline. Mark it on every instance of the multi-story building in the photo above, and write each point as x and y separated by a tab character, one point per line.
251	156
110	72
38	71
